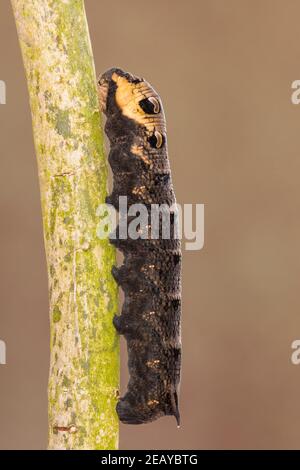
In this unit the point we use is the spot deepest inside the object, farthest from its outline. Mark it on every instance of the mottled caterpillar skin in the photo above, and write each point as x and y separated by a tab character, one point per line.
151	273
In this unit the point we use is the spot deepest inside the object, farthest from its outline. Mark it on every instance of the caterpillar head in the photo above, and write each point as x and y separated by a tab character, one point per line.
108	84
134	98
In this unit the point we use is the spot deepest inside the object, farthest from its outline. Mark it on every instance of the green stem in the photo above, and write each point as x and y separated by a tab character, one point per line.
84	363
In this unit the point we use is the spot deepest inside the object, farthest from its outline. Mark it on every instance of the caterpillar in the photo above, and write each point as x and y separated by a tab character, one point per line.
151	272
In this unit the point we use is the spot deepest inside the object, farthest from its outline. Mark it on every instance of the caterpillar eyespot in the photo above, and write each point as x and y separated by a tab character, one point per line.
156	140
150	105
151	272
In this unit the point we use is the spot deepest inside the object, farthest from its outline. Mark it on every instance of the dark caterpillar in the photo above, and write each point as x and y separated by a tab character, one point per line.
151	274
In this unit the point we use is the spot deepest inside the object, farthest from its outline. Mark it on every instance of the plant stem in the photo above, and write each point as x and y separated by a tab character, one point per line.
84	362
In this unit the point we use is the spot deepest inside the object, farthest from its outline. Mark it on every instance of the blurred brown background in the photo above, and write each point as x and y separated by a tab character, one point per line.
224	71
